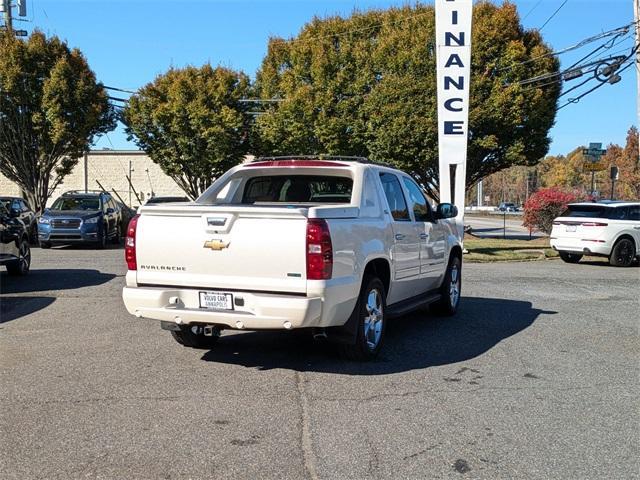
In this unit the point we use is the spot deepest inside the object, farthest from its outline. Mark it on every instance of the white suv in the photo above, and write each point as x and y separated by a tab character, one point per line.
609	229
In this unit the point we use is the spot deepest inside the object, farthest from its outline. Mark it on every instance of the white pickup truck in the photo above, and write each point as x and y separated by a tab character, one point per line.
334	244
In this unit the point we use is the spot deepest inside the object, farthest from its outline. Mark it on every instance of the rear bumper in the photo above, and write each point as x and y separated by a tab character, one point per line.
259	310
580	246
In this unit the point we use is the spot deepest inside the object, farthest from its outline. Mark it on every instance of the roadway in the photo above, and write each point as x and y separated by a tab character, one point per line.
536	377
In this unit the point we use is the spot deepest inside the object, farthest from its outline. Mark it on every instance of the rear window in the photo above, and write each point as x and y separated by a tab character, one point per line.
297	189
596	211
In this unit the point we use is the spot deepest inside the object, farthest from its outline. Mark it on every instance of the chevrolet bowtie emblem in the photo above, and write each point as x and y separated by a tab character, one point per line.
215	244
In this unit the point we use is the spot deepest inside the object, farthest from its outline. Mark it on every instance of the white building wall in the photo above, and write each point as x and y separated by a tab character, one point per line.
110	168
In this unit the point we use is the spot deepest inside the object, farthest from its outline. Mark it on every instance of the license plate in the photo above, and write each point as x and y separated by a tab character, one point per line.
216	300
571	228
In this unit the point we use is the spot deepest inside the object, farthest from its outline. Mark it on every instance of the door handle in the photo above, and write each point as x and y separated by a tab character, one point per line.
637	227
424	236
399	236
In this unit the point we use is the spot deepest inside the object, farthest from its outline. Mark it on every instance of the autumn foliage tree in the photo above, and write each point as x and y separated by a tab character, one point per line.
51	109
366	85
191	122
544	205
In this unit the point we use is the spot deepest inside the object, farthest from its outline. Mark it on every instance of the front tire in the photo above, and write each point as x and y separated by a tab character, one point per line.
102	243
371	321
21	266
116	237
193	336
450	289
623	253
570	257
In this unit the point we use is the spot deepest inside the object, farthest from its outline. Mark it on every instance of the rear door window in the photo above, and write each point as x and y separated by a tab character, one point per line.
395	197
618	213
634	212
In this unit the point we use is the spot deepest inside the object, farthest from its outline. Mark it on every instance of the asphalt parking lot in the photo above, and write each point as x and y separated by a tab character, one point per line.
536	377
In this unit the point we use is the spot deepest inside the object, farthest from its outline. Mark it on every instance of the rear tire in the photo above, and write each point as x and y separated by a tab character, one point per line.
451	289
192	336
371	321
623	253
570	257
21	266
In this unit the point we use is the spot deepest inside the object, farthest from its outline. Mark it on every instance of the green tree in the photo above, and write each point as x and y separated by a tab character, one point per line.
366	85
51	108
190	122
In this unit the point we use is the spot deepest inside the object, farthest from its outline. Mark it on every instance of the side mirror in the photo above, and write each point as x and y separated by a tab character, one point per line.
446	210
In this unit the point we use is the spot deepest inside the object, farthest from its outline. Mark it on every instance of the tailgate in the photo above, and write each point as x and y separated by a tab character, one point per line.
243	248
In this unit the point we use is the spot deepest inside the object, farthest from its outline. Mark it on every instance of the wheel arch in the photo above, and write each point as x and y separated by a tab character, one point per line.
381	268
626	236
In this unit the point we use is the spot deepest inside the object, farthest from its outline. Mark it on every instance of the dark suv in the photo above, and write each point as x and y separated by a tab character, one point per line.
81	217
14	243
19	208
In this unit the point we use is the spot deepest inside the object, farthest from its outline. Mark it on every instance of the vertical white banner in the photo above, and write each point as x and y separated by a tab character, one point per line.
453	62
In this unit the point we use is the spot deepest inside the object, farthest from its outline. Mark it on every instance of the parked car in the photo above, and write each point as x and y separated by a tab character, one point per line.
81	217
174	199
15	253
334	245
609	229
508	207
18	207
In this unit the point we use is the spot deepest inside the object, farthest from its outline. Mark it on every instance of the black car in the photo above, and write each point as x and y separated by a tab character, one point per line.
18	207
15	253
81	217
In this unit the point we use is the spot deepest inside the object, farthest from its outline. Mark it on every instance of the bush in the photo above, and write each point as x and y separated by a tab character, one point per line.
544	206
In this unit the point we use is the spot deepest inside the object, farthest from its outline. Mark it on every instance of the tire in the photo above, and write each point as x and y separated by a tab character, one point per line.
21	266
570	257
623	253
451	289
193	337
116	237
45	245
102	243
371	321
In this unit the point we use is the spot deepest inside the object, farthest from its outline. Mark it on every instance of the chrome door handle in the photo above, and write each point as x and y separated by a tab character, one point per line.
637	227
399	236
423	236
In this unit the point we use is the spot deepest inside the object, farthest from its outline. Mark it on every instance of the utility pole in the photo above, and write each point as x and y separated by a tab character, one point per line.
6	8
480	194
129	179
636	18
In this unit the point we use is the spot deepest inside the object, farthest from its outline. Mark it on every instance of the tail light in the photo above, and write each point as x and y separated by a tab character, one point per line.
130	244
594	224
319	250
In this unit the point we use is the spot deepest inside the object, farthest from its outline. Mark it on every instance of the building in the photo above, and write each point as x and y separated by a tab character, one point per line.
110	168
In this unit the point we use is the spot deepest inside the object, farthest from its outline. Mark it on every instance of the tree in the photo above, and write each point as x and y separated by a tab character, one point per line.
627	160
190	122
366	85
544	206
51	108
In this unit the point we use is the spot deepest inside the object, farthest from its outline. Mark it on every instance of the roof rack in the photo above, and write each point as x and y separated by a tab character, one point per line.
82	192
344	158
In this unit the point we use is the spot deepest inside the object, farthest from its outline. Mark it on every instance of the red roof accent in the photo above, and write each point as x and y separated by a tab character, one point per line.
296	163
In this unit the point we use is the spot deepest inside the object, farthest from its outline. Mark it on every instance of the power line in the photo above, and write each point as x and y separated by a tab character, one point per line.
553	15
529	12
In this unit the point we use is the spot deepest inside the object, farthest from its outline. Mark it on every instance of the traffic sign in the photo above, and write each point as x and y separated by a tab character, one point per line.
593	166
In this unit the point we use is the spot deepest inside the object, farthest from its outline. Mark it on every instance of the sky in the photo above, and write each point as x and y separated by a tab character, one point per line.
128	43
